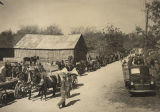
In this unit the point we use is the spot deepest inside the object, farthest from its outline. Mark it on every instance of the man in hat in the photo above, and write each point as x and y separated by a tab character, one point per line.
61	103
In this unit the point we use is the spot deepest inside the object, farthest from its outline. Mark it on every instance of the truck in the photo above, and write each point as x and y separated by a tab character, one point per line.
137	79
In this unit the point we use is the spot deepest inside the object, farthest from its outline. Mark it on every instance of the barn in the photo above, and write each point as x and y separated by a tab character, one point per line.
51	47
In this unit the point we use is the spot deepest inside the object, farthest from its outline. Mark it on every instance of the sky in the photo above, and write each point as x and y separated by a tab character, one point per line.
124	14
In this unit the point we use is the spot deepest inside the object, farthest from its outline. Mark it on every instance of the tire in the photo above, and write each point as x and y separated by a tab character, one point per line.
4	99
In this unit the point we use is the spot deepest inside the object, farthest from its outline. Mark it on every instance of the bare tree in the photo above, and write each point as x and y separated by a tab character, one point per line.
83	30
52	30
33	29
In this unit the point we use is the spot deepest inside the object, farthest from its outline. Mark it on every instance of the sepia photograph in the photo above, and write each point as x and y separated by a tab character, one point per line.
79	55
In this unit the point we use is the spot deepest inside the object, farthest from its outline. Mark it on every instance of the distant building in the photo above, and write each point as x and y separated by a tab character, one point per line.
6	48
51	47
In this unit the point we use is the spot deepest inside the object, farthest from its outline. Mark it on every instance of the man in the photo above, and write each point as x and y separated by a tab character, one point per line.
61	103
68	83
29	82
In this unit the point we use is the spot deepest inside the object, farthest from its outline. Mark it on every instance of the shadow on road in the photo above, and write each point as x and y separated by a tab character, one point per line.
50	97
143	95
75	94
72	102
83	74
7	104
117	93
78	86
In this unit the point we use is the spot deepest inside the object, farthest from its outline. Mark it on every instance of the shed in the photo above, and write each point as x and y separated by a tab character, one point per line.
51	47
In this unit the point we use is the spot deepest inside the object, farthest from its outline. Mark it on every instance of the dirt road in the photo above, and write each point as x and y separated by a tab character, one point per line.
99	91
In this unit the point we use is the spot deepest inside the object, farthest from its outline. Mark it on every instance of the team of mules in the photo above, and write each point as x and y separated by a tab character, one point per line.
37	79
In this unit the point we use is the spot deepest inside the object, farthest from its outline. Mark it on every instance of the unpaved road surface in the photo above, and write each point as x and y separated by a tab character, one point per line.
99	91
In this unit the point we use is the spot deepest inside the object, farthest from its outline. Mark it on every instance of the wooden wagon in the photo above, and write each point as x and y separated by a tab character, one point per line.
7	91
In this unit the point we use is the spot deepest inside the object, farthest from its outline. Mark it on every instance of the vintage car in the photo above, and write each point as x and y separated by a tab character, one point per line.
138	80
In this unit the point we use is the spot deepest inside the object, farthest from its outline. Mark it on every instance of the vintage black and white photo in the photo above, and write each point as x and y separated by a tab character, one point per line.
79	55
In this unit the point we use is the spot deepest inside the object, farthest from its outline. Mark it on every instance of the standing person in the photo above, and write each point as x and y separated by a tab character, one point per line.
61	103
29	82
43	87
67	83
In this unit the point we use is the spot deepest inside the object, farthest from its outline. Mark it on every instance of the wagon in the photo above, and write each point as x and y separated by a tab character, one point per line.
7	91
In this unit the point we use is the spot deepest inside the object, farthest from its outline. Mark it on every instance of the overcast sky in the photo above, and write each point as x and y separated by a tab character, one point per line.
125	14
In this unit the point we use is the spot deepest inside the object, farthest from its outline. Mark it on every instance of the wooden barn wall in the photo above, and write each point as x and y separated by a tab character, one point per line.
52	55
80	50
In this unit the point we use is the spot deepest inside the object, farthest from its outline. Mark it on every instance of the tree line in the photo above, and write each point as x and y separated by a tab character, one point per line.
108	40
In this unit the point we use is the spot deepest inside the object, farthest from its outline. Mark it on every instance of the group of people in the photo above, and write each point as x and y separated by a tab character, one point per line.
136	60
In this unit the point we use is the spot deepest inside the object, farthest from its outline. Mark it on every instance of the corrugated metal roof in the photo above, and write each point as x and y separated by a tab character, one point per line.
36	41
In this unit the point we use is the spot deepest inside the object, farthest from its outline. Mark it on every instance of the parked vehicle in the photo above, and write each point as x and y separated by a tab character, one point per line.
138	80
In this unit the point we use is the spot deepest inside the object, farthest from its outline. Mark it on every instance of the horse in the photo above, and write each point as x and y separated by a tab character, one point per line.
47	82
34	59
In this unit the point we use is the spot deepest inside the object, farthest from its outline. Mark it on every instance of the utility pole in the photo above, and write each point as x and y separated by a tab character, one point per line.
146	30
146	25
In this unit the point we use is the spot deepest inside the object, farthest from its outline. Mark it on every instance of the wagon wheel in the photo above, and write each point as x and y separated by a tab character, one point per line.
3	99
18	88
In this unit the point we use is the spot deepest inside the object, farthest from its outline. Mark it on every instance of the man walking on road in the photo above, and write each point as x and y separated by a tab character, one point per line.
61	103
68	83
